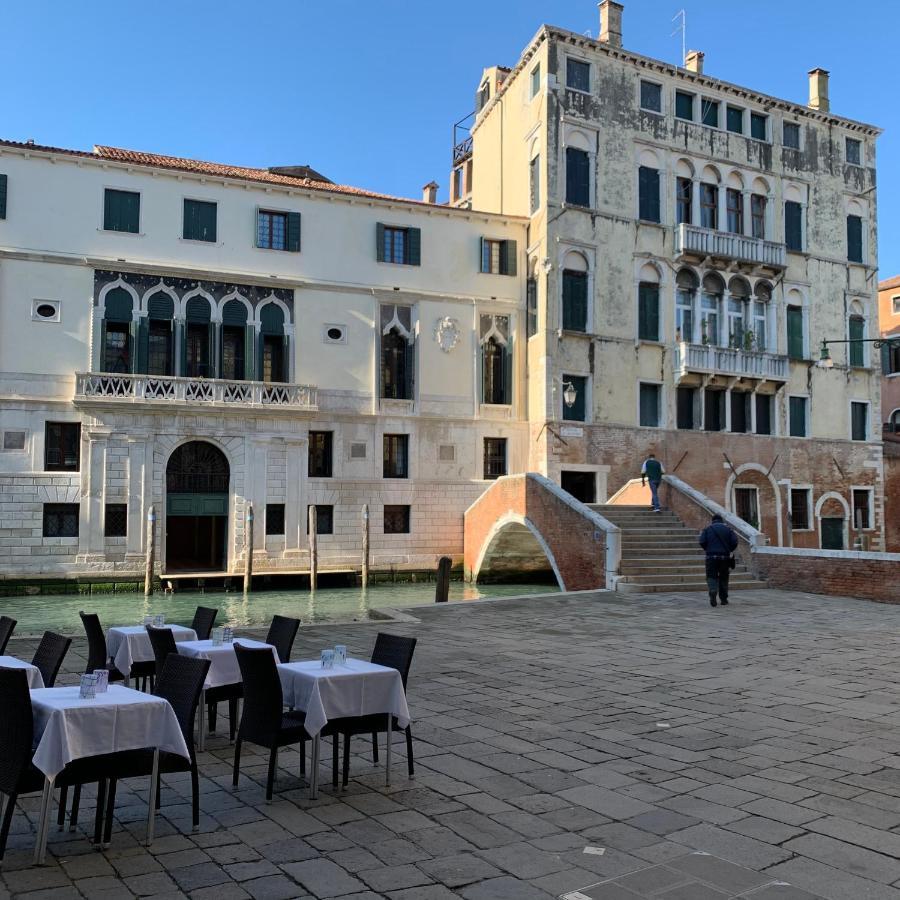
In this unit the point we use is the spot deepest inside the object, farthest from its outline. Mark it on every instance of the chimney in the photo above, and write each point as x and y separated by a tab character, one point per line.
429	192
611	23
693	62
818	90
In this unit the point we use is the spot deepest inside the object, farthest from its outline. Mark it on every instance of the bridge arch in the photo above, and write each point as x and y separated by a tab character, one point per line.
515	544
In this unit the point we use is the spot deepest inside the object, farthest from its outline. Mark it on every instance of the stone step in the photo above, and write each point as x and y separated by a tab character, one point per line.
677	578
657	586
648	541
667	548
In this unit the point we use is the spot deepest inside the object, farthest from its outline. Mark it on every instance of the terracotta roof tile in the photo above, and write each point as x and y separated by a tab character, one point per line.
889	283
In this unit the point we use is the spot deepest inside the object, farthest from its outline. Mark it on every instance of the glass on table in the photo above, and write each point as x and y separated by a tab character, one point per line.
102	685
217	636
340	654
228	635
159	620
88	687
328	659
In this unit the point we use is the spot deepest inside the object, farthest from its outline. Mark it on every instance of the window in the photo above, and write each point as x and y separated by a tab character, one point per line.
574	300
760	310
709	112
273	361
498	257
648	194
115	520
793	226
746	505
3	184
14	440
685	400
62	446
683	200
713	410
648	311
274	519
458	182
649	405
60	520
117	347
859	421
854	239
800	513
398	245
578	75
795	340
396	456
121	211
854	152
531	307
734	207
709	205
740	412
578	177
159	348
397	353
862	508
651	96
484	94
396	519
734	119
758	216
278	230
895	306
233	339
684	106
685	294
45	310
759	126
199	221
890	358
735	323
791	135
324	518
764	413
536	80
797	409
711	304
496	360
494	457
320	454
197	351
856	348
534	175
577	411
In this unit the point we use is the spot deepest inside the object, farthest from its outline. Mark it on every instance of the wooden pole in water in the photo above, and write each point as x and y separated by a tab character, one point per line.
248	550
313	547
442	589
151	551
365	545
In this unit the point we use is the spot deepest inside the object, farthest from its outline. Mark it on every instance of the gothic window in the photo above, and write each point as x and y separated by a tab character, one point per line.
685	302
496	360
397	352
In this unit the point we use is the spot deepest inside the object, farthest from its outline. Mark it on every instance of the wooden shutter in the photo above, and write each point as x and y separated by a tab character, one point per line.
795	332
508	253
249	353
648	312
578	177
410	372
574	301
110	211
508	358
484	265
854	239
142	346
2	196
414	246
648	194
181	342
886	358
857	350
293	232
793	231
379	242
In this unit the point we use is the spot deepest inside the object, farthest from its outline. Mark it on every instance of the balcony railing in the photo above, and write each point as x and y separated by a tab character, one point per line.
462	150
696	241
211	391
707	359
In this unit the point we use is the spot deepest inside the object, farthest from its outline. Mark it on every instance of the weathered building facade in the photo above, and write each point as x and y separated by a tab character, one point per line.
889	327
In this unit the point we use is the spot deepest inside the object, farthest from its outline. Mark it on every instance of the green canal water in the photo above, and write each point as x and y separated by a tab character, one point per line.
345	604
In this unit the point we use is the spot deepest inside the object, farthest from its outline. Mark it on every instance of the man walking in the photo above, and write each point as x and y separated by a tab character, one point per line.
719	542
652	471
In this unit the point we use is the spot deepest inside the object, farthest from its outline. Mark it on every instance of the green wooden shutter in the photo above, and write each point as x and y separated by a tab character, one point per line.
508	371
648	312
795	332
379	242
2	196
414	246
857	350
101	367
293	232
110	211
854	239
793	229
648	194
142	344
249	355
181	337
886	358
410	370
508	254
574	301
485	265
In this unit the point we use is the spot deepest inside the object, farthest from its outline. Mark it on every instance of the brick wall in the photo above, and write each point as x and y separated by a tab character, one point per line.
892	493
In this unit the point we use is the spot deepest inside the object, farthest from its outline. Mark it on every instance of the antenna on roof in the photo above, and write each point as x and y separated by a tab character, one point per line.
682	27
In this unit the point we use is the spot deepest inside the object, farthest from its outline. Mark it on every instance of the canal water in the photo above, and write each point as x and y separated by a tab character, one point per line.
59	612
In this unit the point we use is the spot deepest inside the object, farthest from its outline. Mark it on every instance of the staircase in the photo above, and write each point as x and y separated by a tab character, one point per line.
660	553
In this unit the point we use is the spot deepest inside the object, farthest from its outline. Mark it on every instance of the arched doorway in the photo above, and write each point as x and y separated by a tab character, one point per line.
196	508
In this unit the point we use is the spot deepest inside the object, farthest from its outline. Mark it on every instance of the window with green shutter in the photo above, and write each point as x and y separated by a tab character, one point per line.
121	211
854	239
684	106
648	311
199	221
648	194
402	246
649	396
498	257
793	225
797	408
578	177
758	126
734	119
574	300
795	332
857	349
2	196
859	421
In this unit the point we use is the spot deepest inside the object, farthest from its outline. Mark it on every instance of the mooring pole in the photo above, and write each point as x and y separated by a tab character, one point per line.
442	589
365	545
248	550
313	547
151	551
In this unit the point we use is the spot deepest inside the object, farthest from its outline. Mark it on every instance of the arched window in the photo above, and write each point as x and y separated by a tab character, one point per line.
496	360
575	293
397	352
739	291
685	302
648	303
159	353
197	349
709	198
117	338
856	333
762	298
711	310
734	204
237	341
273	345
759	201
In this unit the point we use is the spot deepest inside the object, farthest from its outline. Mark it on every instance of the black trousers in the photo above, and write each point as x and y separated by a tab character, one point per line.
718	569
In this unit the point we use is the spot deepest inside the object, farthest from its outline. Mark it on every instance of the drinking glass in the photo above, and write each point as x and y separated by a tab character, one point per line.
217	637
102	680
148	620
228	635
328	659
340	654
88	687
159	621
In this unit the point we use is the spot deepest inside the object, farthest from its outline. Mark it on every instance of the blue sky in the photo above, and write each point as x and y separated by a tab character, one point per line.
366	92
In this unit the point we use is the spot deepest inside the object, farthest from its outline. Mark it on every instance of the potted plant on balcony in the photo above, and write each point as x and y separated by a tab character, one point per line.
749	341
704	336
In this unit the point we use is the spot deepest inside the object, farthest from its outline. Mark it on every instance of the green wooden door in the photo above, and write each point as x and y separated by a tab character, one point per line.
832	534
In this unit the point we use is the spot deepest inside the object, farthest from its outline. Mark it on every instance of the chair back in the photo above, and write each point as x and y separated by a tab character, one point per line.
281	636
49	656
17	733
163	643
98	658
395	652
7	625
204	619
263	702
180	681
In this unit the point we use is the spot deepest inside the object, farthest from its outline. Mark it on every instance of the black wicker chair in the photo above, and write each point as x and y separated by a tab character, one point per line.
163	642
263	720
281	636
180	681
7	626
395	652
49	656
98	655
204	619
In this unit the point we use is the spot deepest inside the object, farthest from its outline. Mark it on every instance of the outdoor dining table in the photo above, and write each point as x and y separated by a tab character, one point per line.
33	673
348	690
223	669
130	644
68	728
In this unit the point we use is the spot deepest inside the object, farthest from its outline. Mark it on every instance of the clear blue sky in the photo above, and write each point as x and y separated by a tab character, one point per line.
366	92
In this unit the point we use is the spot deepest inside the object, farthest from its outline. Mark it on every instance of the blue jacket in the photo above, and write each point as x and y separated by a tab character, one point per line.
718	539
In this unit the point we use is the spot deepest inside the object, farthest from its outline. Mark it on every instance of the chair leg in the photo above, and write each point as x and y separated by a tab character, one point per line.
7	821
409	752
76	805
270	780
374	748
110	809
195	795
232	718
98	814
237	762
335	749
346	759
61	813
212	711
303	757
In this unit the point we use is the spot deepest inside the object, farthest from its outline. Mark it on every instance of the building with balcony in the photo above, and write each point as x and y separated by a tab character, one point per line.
691	243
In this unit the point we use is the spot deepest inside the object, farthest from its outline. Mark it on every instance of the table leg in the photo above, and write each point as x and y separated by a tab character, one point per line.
40	849
387	762
201	722
314	769
154	781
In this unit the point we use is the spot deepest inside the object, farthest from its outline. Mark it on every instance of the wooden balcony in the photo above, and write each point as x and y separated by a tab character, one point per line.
704	243
705	359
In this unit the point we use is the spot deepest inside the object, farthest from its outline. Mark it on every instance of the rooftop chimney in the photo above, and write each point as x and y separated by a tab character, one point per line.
429	192
611	23
818	90
693	62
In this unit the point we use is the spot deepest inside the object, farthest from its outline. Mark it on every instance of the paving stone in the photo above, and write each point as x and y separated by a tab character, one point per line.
387	878
661	821
846	857
831	883
523	860
505	888
735	847
459	870
323	878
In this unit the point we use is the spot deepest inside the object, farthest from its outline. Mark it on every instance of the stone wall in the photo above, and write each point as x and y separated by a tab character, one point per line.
892	493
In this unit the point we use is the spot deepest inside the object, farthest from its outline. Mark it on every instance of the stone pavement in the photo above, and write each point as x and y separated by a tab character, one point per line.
584	745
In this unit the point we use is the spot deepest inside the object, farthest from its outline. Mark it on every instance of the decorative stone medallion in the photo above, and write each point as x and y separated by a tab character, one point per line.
446	333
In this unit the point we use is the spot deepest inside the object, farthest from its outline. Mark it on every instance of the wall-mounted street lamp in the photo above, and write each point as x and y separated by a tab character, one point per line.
826	362
570	395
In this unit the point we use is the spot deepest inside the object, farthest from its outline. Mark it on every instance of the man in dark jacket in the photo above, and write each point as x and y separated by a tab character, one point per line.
719	542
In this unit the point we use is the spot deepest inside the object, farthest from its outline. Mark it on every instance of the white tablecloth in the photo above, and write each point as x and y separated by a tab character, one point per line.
224	668
68	728
128	644
35	680
357	688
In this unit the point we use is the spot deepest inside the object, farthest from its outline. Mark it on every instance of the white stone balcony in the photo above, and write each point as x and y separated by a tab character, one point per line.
107	387
706	359
691	240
